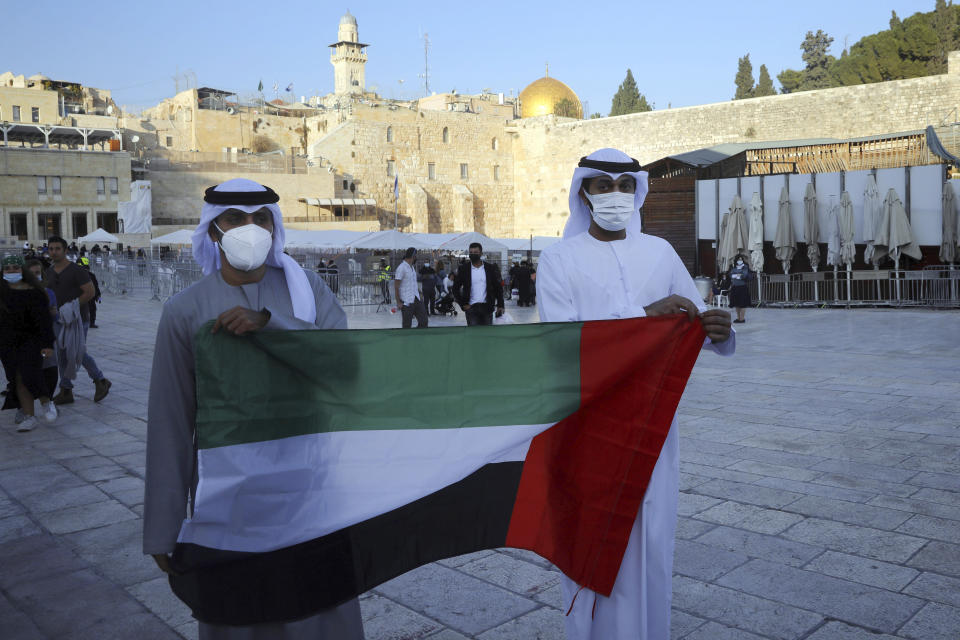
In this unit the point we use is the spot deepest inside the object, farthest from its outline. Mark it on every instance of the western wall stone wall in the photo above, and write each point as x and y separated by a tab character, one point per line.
547	149
360	148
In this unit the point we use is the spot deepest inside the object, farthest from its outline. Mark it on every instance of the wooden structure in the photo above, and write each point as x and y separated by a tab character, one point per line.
877	152
670	213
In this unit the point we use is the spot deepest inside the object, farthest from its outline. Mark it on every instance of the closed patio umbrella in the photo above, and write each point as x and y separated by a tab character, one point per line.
872	203
848	250
895	233
949	238
734	239
784	242
755	235
811	226
833	236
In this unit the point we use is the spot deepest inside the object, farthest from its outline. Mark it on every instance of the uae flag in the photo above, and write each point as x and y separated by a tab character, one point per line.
333	461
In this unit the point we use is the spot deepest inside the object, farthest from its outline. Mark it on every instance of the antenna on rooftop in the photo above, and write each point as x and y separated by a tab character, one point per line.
426	65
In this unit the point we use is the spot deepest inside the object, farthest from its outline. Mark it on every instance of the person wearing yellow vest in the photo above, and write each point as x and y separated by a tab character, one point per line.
383	278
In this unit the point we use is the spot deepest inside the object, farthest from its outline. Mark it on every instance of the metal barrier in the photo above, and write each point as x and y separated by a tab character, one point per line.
929	287
160	279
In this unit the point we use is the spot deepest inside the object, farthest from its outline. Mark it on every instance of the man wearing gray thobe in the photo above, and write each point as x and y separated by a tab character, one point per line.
249	285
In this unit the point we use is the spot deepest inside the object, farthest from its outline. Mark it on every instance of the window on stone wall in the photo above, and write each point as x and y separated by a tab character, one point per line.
18	225
446	134
79	219
464	171
389	134
169	141
496	172
100	186
41	185
431	171
107	220
55	185
16	113
494	144
391	168
34	114
114	186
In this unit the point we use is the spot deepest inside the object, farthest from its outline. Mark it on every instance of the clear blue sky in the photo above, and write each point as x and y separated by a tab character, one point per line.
681	53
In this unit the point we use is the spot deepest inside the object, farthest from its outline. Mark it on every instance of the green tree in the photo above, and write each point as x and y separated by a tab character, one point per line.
764	84
628	99
565	108
595	116
944	25
790	80
744	79
815	56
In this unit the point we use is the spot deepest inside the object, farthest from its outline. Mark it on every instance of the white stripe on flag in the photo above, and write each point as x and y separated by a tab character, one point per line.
268	495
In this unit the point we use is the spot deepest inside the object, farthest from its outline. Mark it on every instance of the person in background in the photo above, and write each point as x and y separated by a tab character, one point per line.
405	286
428	280
384	277
72	282
51	372
739	276
92	305
26	338
479	288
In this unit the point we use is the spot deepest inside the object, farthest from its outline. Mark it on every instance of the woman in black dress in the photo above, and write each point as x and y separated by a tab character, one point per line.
739	276
26	337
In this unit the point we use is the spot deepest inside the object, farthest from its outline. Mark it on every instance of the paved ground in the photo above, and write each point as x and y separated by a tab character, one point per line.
820	499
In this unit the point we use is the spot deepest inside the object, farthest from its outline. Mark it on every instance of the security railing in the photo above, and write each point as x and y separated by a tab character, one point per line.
929	287
161	279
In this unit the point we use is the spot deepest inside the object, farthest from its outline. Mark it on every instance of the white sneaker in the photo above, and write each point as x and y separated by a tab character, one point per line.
29	424
20	417
48	411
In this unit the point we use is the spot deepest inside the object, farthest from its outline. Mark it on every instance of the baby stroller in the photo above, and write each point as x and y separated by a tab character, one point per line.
444	306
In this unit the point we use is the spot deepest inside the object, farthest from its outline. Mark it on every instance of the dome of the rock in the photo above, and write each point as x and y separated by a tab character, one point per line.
540	98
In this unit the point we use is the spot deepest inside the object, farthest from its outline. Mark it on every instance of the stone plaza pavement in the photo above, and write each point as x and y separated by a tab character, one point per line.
820	481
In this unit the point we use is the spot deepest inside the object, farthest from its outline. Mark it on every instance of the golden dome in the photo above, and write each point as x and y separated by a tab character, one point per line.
540	97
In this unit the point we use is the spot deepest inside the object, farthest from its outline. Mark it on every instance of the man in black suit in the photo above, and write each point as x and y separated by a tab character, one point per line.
478	288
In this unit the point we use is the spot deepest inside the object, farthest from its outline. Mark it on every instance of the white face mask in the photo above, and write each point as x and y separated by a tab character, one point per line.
739	263
246	247
612	211
13	277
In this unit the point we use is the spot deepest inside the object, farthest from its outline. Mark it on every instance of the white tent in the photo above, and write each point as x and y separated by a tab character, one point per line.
323	239
98	236
180	236
463	241
390	240
435	239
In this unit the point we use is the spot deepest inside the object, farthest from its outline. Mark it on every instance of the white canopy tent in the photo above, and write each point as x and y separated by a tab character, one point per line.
98	236
463	241
391	240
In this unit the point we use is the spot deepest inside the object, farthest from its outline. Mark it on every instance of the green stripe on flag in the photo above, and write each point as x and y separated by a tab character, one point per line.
278	384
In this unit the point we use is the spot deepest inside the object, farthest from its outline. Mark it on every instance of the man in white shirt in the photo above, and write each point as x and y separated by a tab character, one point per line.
478	288
606	267
405	285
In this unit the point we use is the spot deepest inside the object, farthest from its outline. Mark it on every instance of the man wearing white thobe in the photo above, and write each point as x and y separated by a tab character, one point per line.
606	268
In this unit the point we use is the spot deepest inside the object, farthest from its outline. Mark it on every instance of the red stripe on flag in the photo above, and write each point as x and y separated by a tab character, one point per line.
584	478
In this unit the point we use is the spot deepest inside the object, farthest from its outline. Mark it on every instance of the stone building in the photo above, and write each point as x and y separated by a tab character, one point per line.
45	192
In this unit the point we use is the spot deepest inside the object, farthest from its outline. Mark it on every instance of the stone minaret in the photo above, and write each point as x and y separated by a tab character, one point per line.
348	58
